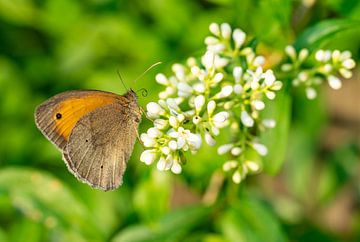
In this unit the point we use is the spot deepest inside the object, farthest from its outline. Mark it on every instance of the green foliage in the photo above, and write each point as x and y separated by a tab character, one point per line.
51	46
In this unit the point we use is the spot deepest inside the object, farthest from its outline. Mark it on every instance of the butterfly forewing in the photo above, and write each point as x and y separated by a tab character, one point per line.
57	116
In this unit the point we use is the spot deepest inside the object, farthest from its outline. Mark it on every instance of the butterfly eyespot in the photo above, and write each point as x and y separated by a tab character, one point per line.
137	120
58	116
86	140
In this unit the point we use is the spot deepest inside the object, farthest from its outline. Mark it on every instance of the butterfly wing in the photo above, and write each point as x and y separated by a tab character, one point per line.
101	144
57	116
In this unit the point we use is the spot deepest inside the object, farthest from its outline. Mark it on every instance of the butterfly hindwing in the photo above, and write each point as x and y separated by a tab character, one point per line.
100	145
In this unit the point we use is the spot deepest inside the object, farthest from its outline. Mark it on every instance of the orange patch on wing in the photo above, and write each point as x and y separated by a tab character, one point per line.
73	109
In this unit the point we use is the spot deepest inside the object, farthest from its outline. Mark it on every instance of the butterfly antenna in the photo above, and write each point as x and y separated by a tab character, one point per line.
121	79
148	69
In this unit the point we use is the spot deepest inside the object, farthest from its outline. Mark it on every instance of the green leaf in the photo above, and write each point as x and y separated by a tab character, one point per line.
248	220
276	139
3	235
316	35
42	198
152	196
171	227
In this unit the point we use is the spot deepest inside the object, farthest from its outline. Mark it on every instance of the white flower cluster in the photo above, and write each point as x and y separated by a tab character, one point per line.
226	87
311	70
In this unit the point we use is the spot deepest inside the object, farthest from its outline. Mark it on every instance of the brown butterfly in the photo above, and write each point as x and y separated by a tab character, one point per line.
95	132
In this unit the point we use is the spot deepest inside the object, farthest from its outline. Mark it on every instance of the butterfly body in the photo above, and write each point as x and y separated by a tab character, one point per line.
95	131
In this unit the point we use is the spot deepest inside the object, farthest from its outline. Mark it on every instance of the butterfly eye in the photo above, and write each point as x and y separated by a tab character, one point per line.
58	116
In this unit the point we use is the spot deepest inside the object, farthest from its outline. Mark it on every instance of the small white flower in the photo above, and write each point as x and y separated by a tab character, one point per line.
176	167
219	119
345	55
196	119
225	92
179	71
225	30
303	76
238	89
310	93
290	51
184	89
194	141
218	77
260	148
229	165
173	122
269	77
303	54
271	95
348	63
211	40
246	119
327	55
165	150
148	156
199	102
220	62
334	82
161	79
259	61
237	73
209	139
172	145
252	166
199	87
161	164
215	29
239	38
180	117
336	54
154	110
236	151
217	48
345	73
154	133
269	123
258	104
277	85
224	148
320	55
208	59
286	67
161	124
147	140
236	177
211	107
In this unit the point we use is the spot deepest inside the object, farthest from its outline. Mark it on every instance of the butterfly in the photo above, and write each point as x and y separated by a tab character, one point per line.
95	131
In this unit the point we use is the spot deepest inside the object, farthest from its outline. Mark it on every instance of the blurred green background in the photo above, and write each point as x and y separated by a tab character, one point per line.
50	46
